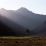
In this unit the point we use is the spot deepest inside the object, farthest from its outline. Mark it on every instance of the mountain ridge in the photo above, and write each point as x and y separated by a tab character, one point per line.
26	19
20	9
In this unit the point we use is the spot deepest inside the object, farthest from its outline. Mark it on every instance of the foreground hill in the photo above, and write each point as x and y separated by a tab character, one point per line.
5	30
8	27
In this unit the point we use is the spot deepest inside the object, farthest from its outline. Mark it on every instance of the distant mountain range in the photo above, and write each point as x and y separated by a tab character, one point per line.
23	19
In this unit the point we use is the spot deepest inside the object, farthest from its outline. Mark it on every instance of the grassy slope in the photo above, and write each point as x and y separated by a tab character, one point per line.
22	41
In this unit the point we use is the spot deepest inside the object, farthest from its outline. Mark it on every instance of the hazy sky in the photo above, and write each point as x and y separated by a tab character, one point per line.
37	6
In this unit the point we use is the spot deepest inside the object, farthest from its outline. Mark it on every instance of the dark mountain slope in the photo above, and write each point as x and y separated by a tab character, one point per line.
11	23
19	30
5	30
41	30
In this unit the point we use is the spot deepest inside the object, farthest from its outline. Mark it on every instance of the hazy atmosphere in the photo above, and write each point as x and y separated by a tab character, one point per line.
36	6
22	22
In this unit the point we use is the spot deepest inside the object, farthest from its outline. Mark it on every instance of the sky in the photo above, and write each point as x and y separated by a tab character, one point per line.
36	6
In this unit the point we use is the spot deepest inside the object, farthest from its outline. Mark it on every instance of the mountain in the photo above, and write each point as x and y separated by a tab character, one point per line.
5	30
8	31
24	18
16	28
41	30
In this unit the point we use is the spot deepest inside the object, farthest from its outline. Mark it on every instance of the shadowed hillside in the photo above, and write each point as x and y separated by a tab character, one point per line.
41	30
8	27
5	30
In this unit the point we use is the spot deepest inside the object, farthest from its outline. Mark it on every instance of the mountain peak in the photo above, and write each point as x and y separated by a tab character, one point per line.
24	10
